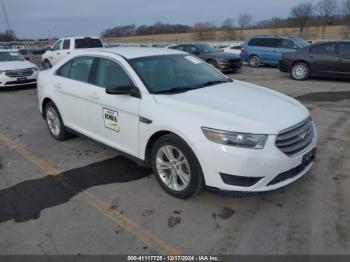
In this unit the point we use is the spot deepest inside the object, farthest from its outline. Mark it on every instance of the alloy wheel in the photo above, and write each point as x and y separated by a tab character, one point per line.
53	121
173	168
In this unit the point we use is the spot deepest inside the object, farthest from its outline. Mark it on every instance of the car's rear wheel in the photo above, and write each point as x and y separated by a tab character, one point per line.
47	64
55	123
176	167
254	61
300	71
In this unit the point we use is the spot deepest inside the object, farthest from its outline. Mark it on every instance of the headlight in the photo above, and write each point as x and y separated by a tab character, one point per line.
1	72
35	68
235	139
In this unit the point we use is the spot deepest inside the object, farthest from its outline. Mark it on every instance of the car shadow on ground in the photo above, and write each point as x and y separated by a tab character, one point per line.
17	88
25	201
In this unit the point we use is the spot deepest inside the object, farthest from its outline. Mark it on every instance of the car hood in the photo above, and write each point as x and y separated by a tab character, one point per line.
15	65
224	55
238	106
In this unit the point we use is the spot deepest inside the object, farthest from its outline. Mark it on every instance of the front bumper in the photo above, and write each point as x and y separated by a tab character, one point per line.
270	167
230	66
6	81
283	66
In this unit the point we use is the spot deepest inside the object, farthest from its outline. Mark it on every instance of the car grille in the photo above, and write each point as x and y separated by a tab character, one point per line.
19	73
295	139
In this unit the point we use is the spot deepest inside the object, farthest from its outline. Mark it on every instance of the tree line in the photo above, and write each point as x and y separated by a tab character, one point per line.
324	13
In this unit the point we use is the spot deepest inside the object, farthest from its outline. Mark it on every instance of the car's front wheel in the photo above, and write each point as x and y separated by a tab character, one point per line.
176	167
300	71
55	123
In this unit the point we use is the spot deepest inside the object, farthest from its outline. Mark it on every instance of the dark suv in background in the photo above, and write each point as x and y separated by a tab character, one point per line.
327	59
223	61
268	50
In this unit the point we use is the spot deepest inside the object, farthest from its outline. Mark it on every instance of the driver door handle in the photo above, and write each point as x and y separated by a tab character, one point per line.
94	96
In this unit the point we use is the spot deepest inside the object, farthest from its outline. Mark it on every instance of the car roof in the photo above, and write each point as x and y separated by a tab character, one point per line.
275	36
134	52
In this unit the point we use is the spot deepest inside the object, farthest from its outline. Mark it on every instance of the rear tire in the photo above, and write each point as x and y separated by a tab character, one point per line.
300	71
55	123
254	61
176	167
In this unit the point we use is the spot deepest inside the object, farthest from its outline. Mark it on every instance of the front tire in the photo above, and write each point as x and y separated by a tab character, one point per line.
176	167
300	71
55	123
214	63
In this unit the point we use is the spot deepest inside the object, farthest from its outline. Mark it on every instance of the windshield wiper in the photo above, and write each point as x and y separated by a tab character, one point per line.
174	90
211	83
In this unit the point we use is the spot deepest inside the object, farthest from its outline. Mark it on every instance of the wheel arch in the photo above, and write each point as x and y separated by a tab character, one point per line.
300	61
151	142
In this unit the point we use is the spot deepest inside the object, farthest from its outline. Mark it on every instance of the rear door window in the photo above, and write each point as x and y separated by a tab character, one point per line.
344	50
264	42
324	49
88	43
64	70
80	69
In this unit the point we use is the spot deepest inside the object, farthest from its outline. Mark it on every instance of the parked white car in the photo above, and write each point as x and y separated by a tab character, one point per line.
66	46
175	113
15	70
232	49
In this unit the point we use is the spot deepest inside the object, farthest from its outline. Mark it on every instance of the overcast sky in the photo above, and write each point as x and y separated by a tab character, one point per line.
40	18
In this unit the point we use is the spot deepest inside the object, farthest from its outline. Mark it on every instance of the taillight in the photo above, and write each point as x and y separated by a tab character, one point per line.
242	49
221	50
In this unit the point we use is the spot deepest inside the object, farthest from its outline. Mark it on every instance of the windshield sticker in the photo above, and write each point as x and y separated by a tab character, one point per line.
193	60
13	54
110	118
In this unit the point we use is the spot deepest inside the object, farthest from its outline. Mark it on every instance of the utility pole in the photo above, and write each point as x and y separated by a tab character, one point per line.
6	17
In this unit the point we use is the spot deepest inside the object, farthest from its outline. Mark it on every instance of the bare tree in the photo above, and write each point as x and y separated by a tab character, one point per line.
326	10
228	26
204	31
302	13
244	20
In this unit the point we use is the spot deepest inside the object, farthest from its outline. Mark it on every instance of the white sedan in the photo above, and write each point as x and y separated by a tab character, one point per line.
232	49
173	112
15	70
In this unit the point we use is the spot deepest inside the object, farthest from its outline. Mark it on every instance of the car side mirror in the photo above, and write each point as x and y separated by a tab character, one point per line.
129	90
27	58
195	53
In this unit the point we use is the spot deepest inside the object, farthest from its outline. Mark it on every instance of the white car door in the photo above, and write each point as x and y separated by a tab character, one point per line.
114	119
71	87
56	53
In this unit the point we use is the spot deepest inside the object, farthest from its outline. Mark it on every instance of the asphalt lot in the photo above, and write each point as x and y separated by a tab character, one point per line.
77	197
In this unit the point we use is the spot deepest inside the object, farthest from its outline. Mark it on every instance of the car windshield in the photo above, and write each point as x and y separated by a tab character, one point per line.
10	56
207	49
88	43
175	73
301	42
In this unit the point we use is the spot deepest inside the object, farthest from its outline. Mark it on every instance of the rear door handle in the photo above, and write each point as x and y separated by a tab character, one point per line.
58	86
94	96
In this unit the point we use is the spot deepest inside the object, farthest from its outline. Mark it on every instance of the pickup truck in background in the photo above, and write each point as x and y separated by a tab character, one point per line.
65	46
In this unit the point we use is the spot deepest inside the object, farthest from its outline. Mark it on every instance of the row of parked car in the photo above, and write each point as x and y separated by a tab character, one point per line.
291	55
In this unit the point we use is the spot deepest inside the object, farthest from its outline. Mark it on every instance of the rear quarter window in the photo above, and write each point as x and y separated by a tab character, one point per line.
88	43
